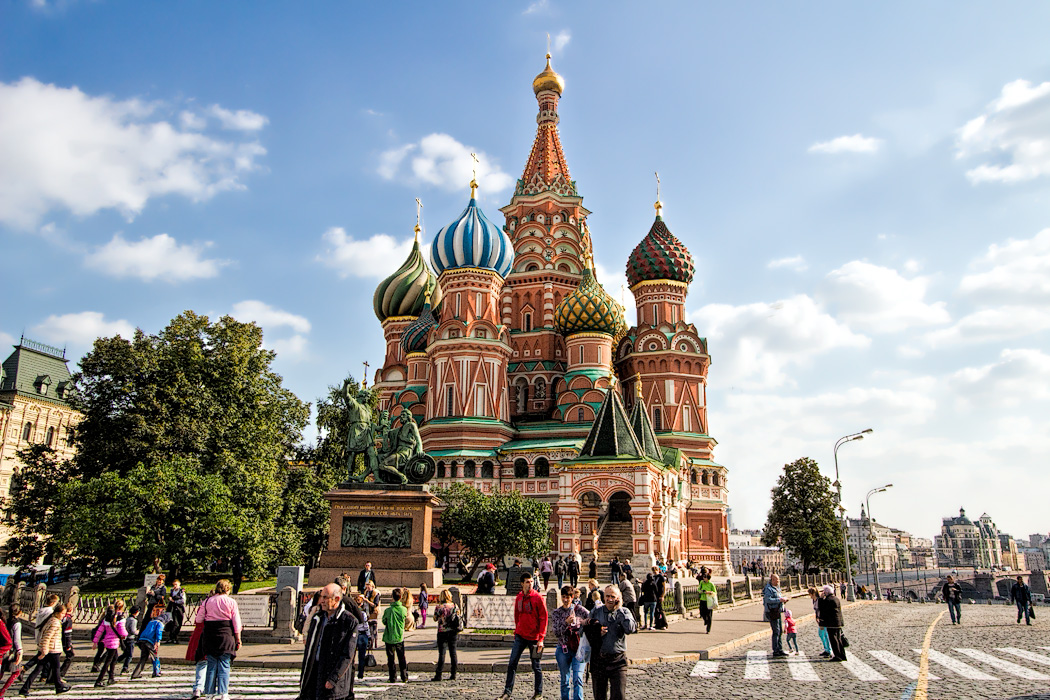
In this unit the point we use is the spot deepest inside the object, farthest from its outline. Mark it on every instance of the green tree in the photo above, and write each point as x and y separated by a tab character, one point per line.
31	508
802	518
201	395
496	525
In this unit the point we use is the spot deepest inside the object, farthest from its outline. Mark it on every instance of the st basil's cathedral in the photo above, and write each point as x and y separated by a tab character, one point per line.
522	374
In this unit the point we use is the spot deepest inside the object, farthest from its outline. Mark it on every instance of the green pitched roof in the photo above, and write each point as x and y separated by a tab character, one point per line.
552	443
611	435
643	430
33	366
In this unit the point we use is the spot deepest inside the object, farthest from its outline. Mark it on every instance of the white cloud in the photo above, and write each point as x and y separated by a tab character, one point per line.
6	339
239	120
615	284
560	41
993	325
63	149
375	257
796	263
757	343
81	329
192	121
272	320
442	161
160	257
1013	133
1017	271
1017	377
857	143
538	6
879	299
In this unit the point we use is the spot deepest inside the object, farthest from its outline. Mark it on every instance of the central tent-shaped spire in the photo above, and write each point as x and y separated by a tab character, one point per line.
546	169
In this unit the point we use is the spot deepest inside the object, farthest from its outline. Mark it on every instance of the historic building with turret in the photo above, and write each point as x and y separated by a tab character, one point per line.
523	375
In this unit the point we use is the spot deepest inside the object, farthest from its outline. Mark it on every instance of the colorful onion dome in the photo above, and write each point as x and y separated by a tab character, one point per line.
472	241
660	256
589	309
548	80
414	338
404	292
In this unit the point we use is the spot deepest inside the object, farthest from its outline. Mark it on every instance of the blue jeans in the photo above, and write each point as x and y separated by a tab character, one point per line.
823	634
217	679
648	614
775	626
955	610
615	578
1022	609
200	671
520	645
571	671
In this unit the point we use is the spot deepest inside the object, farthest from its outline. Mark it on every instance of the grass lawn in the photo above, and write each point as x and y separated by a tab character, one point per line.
198	584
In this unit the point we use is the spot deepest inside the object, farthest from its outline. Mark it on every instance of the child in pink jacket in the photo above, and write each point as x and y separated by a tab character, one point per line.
110	633
791	627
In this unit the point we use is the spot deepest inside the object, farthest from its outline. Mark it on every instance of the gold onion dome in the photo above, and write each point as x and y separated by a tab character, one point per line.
405	292
548	80
589	309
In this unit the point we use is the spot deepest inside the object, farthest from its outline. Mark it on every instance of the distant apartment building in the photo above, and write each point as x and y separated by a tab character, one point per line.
872	544
965	543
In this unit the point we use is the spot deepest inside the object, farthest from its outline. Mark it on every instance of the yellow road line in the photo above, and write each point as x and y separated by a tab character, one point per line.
924	661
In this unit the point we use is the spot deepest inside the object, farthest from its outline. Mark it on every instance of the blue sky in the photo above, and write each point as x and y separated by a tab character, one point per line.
864	190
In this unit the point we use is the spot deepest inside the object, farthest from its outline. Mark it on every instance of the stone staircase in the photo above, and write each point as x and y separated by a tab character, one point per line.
615	539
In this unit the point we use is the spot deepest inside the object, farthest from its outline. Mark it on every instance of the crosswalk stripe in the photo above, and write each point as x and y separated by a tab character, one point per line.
757	666
1028	655
861	670
1005	666
704	669
801	669
957	667
901	666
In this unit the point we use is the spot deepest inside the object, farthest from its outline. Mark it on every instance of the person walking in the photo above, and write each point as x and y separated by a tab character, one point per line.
566	622
560	571
628	597
131	627
177	608
48	653
149	643
394	634
195	653
609	655
450	624
791	629
546	569
773	602
237	573
572	568
659	617
67	641
328	655
822	633
109	636
372	598
708	599
424	604
648	601
13	624
530	628
952	593
221	638
592	568
616	570
365	576
363	633
1021	595
829	616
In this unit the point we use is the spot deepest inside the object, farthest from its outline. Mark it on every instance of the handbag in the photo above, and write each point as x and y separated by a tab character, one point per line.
1031	611
845	642
370	660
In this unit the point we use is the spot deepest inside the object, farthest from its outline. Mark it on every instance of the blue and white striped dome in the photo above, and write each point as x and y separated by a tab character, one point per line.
472	241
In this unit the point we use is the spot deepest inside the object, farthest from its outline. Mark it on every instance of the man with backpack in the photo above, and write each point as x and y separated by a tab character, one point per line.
487	580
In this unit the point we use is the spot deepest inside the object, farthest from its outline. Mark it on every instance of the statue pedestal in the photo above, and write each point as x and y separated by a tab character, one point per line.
388	525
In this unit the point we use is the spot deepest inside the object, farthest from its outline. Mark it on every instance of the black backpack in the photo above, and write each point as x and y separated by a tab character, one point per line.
454	621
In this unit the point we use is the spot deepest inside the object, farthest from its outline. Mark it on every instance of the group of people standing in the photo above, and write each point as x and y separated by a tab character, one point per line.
827	608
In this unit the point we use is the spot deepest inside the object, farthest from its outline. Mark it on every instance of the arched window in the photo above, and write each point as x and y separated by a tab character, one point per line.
521	468
705	479
541	388
526	322
523	395
452	469
486	470
543	467
658	423
579	415
563	268
531	267
27	432
50	437
469	469
715	481
450	401
441	470
581	354
656	315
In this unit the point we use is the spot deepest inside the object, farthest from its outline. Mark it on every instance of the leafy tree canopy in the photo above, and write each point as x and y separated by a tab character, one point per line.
802	518
496	525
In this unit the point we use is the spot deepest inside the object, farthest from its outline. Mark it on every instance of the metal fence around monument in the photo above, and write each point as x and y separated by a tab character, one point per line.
691	597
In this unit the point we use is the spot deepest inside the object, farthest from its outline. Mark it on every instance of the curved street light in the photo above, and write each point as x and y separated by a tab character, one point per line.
871	537
842	509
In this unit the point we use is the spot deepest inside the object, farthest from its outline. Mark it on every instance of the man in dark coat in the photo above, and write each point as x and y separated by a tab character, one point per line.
952	593
1021	595
829	616
365	576
573	569
328	658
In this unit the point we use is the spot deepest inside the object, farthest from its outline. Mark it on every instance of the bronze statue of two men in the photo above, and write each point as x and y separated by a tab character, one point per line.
387	450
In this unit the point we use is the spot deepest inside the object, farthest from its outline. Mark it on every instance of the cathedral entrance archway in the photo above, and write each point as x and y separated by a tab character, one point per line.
620	507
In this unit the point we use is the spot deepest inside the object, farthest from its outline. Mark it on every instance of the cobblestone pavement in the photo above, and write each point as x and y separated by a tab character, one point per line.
988	656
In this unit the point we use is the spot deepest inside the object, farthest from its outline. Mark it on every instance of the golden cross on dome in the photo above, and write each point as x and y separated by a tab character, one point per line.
659	205
548	45
474	180
364	382
419	211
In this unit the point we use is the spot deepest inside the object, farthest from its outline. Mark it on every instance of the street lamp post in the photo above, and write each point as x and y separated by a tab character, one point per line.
842	509
871	536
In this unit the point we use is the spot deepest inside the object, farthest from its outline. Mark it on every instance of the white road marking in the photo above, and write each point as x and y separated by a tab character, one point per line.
1005	666
861	670
705	669
801	669
905	668
757	666
957	667
1028	655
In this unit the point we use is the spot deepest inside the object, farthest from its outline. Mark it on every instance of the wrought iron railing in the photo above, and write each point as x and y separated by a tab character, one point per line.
691	597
